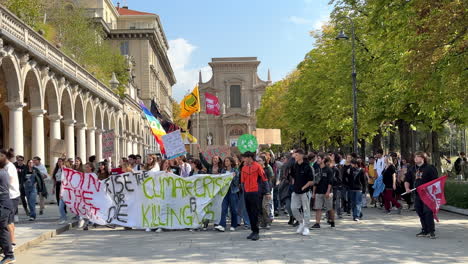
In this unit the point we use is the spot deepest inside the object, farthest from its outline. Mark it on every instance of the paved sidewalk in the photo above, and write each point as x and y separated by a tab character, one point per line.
380	238
29	234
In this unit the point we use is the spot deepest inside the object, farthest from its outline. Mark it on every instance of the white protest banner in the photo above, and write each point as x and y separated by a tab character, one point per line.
108	143
146	199
174	145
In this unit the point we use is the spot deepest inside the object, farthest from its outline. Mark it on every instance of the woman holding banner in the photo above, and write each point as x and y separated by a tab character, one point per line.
231	200
152	163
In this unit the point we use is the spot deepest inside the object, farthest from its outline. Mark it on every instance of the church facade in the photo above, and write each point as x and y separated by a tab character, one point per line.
239	89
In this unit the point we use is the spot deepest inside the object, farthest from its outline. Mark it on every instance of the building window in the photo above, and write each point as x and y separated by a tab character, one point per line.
124	48
235	96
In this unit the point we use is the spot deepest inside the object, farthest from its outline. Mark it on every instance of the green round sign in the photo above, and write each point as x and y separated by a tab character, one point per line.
246	143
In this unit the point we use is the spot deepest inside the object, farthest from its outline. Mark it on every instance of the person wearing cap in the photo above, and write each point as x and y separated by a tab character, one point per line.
303	180
255	185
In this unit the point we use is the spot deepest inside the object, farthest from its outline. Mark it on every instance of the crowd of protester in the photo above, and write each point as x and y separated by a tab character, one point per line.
332	184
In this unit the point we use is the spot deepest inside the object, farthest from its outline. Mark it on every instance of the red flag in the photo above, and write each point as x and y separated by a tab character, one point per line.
212	104
432	194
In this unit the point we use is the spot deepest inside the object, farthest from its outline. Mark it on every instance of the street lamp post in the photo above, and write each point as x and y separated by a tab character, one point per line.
342	35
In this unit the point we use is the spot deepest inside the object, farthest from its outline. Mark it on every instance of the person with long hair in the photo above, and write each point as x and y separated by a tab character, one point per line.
231	200
57	179
197	167
78	166
31	180
166	166
214	167
6	209
390	181
152	163
102	171
123	167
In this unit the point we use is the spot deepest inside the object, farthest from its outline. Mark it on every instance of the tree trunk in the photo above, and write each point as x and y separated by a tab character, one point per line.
377	142
436	151
391	141
405	139
362	151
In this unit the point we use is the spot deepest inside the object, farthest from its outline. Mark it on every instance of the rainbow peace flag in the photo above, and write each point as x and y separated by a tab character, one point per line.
156	128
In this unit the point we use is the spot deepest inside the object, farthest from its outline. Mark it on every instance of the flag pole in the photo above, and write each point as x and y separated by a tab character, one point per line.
410	191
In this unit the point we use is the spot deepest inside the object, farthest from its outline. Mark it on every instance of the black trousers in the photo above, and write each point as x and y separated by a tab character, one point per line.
252	204
58	185
5	240
425	215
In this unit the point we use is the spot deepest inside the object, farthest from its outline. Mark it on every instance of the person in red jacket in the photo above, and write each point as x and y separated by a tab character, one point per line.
255	185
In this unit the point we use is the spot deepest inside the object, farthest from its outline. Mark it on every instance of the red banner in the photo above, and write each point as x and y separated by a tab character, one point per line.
212	104
432	194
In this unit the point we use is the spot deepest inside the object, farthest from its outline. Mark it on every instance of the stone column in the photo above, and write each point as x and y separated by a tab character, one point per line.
129	144
15	126
117	152
37	148
91	141
70	137
135	145
99	145
81	141
54	134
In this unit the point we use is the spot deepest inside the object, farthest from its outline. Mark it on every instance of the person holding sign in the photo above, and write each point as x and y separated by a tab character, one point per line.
255	185
231	200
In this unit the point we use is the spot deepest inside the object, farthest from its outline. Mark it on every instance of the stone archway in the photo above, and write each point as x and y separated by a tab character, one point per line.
67	110
80	128
33	119
52	128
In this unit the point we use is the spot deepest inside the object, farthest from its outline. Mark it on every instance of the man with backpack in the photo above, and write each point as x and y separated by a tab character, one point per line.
323	192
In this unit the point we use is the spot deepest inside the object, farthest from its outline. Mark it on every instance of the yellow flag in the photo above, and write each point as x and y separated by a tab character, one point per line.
190	104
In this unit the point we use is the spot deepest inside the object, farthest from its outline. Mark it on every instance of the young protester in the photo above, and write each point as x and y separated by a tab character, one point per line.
6	209
371	177
346	194
242	214
20	166
43	195
57	179
197	167
357	188
423	173
303	180
255	185
266	214
123	167
89	168
31	181
215	166
78	166
166	166
14	192
185	168
337	185
389	179
231	200
152	163
322	191
102	171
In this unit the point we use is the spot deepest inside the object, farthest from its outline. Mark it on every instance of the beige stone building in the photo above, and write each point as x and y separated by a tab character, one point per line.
140	36
239	89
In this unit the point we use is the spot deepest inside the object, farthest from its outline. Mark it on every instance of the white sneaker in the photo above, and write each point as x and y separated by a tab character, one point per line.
159	230
300	229
81	223
220	228
61	222
305	232
232	229
148	230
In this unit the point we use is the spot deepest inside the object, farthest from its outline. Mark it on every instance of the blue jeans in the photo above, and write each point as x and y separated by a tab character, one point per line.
356	203
63	213
31	196
242	210
231	200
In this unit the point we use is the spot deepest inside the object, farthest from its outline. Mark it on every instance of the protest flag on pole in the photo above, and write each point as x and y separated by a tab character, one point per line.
156	128
190	104
212	104
432	194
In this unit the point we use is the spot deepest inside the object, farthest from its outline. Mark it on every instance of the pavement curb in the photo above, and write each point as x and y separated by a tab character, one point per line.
44	236
454	209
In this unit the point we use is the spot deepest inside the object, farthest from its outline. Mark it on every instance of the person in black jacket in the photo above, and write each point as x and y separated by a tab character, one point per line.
423	173
32	182
357	186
